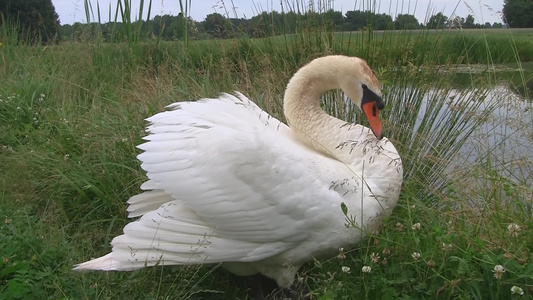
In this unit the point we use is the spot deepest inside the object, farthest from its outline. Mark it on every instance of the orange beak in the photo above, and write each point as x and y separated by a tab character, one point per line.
372	114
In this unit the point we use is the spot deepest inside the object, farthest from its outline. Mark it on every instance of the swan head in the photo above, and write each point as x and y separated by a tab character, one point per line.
351	74
362	88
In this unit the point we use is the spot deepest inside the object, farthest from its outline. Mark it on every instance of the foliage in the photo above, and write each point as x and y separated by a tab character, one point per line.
217	26
406	21
469	22
518	13
265	24
356	20
437	21
34	18
30	257
450	257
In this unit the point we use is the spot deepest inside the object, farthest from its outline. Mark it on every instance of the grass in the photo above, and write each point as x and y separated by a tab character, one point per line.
71	115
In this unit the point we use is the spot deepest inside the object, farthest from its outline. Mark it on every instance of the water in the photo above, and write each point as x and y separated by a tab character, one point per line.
505	139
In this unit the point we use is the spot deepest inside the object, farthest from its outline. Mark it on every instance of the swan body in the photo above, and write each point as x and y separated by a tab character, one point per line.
230	184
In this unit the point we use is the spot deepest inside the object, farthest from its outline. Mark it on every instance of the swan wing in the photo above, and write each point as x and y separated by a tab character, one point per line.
227	182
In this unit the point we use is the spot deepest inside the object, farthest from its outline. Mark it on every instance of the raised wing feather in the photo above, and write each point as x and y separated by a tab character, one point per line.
233	165
230	183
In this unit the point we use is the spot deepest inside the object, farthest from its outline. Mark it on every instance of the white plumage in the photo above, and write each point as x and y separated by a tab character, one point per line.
229	183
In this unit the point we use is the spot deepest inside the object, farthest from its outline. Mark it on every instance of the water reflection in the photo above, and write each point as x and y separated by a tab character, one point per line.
518	79
505	138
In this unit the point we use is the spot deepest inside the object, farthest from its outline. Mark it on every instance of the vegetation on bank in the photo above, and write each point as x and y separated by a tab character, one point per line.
71	116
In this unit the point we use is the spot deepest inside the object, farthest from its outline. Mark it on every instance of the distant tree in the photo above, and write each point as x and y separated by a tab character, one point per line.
66	30
518	13
36	18
406	22
217	25
289	22
333	19
178	27
311	19
357	19
276	19
497	25
456	22
354	20
266	24
469	22
487	25
437	21
241	25
383	21
165	23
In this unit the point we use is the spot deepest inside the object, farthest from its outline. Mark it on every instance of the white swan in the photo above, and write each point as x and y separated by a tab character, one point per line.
228	183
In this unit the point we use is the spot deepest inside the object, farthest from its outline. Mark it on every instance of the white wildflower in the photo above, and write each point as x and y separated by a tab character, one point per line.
366	269
399	226
341	254
498	271
447	247
416	226
345	269
416	255
374	257
517	290
513	229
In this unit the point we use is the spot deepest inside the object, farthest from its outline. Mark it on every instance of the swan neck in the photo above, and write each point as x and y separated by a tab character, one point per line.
302	109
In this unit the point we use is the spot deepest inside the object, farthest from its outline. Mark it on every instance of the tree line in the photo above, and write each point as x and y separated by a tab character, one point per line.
215	25
34	20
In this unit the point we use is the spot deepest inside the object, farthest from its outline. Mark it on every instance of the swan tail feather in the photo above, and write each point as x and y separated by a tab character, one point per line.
146	202
104	263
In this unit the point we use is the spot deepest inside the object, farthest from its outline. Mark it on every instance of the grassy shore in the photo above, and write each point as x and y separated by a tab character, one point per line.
71	116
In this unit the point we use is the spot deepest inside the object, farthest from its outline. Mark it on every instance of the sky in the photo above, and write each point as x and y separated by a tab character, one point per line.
71	11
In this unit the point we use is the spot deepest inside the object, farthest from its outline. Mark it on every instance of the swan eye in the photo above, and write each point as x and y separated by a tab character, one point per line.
365	87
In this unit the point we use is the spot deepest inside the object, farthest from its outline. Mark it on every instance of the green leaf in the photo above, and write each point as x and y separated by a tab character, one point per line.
17	289
344	208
